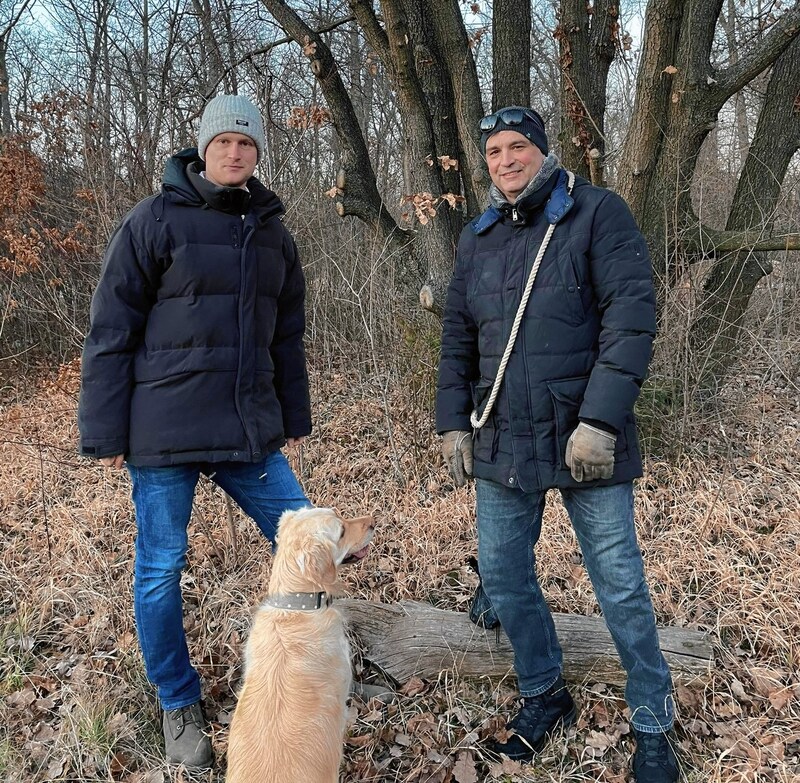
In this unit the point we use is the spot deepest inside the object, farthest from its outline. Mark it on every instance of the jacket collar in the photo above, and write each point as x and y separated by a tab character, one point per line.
525	206
182	184
553	195
234	201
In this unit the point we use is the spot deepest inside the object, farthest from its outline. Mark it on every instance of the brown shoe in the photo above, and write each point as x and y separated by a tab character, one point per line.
186	737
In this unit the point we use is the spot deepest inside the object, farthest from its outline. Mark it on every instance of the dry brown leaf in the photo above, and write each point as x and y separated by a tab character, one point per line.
767	681
414	687
737	689
422	723
780	698
360	740
119	763
402	739
453	199
506	767
464	769
373	716
670	69
599	740
309	46
56	769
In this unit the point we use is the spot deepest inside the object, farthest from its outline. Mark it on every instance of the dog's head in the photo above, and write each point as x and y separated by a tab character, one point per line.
312	544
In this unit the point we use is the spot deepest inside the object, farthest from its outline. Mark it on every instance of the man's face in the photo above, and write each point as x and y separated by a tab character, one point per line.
513	161
231	159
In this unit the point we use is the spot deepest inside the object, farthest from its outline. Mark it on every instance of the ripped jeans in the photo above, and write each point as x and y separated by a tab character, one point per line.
163	500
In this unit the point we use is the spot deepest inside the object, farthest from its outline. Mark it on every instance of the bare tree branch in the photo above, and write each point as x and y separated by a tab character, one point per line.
358	192
706	242
364	14
760	56
267	49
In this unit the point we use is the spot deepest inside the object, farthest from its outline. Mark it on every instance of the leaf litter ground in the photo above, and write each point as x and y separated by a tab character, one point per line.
719	527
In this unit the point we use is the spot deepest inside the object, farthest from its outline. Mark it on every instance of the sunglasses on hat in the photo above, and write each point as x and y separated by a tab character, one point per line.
507	117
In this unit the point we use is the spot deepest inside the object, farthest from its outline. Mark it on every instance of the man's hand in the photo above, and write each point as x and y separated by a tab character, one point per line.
457	453
293	443
113	462
590	453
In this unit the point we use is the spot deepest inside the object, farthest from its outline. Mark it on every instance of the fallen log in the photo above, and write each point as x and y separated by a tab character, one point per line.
415	639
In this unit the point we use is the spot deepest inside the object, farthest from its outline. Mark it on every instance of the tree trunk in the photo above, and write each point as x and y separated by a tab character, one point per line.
728	22
435	242
211	55
463	74
727	290
6	122
358	191
439	101
679	96
647	128
587	45
413	639
423	49
15	12
511	53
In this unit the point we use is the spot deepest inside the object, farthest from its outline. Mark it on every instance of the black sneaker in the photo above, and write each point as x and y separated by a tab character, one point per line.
655	760
186	737
537	719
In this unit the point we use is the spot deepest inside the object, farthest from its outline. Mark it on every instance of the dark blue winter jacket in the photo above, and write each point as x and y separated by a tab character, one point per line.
195	349
584	344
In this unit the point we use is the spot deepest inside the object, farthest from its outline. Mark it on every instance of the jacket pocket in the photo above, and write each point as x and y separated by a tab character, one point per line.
566	395
486	439
480	394
568	265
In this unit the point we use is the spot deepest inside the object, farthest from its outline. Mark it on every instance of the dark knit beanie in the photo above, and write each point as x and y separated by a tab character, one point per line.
515	118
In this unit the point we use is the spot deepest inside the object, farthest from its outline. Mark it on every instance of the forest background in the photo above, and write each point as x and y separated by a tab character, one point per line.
688	108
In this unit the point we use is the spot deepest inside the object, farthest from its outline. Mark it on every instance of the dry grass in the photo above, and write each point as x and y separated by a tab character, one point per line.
720	529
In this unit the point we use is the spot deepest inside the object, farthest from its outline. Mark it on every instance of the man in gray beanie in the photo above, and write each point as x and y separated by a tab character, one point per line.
194	364
551	407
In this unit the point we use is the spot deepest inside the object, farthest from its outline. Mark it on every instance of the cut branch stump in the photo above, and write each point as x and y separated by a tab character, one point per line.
415	639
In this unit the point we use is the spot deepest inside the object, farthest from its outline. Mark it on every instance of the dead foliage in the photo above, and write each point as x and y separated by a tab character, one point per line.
719	528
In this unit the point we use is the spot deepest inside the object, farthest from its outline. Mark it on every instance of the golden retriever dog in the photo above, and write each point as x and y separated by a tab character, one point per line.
290	720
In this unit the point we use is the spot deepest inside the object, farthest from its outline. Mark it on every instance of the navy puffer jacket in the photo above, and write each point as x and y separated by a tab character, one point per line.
584	344
195	349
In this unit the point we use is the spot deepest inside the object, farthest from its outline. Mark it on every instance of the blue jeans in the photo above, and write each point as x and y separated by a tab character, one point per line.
509	524
163	500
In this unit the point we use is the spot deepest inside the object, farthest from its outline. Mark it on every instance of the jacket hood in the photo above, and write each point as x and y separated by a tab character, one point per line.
177	187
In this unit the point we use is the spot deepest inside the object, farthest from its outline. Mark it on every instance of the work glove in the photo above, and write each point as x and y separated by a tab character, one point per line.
457	453
590	453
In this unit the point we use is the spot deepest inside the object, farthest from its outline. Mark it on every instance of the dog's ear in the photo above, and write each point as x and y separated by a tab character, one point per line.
316	562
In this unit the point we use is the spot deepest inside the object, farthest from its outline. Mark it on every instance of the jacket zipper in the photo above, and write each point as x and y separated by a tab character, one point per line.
243	240
524	357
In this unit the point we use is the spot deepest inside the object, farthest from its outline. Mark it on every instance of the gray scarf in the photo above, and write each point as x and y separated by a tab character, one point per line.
549	165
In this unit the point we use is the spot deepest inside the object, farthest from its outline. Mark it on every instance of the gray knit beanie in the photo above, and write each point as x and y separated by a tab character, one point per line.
230	114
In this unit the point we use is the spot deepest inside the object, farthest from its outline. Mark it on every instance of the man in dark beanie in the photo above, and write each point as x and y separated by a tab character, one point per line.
548	326
194	363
